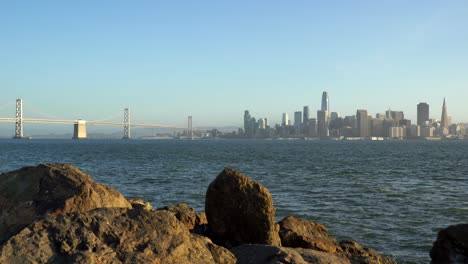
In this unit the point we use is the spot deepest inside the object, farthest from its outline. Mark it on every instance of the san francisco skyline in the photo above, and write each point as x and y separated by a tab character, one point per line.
212	60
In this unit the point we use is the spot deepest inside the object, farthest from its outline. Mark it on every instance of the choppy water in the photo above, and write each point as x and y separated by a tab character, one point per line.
393	196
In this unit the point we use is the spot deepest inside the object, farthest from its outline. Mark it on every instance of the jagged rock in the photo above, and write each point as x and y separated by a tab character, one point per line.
451	245
359	254
32	192
265	254
239	210
111	235
295	232
184	213
139	203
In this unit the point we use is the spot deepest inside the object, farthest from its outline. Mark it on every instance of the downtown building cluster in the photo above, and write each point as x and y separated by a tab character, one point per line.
327	124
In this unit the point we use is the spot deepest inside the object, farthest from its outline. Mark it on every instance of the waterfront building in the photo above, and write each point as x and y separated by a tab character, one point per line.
362	123
444	122
285	119
312	131
406	123
427	131
415	131
423	114
376	127
322	123
298	122
397	132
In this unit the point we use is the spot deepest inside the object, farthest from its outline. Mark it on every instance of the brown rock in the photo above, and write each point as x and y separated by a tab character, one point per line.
451	245
298	233
240	210
111	235
139	203
359	254
32	192
265	254
201	219
184	213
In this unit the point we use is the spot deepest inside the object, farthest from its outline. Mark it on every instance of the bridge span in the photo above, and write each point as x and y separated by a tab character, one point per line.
80	125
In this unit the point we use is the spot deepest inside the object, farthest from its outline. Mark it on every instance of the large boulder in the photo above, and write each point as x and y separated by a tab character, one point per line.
240	210
295	232
32	192
451	245
111	235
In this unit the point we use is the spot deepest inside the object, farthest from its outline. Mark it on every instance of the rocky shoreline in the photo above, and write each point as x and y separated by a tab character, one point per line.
54	213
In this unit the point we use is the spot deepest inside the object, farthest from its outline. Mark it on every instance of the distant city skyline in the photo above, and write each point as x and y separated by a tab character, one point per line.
212	60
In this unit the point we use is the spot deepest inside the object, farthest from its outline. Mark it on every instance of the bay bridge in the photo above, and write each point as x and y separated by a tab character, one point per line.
80	125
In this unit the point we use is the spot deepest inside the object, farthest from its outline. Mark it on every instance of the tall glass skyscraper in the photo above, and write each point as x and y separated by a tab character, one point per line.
325	103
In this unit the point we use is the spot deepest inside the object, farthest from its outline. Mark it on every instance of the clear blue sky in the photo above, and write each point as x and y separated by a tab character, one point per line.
214	59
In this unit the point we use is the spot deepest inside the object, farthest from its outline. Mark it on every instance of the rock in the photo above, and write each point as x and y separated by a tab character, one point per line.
295	232
184	213
111	235
240	211
32	192
359	254
139	203
265	254
451	245
201	219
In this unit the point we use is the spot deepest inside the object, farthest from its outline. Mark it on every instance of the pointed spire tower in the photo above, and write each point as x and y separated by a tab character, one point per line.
444	119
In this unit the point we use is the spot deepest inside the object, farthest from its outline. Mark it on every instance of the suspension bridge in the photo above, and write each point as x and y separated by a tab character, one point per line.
80	125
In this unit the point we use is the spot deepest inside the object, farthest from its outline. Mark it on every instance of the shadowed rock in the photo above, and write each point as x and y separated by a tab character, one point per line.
239	210
265	254
295	232
32	192
111	235
451	245
183	213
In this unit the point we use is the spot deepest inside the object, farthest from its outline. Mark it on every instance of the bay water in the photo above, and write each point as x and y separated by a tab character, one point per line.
393	196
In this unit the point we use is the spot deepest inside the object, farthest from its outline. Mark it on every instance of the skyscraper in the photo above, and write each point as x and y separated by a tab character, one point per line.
322	123
247	117
298	122
306	114
325	103
423	114
285	119
444	122
362	123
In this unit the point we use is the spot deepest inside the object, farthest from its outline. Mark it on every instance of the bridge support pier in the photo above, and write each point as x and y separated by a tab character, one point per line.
79	130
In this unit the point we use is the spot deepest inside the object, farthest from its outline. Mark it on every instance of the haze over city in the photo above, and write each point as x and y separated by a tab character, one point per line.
213	60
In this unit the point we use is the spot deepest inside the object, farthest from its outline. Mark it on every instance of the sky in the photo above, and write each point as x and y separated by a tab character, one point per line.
166	60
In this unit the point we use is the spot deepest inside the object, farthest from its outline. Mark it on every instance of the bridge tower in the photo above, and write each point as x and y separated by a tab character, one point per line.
189	129
19	119
79	129
126	124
